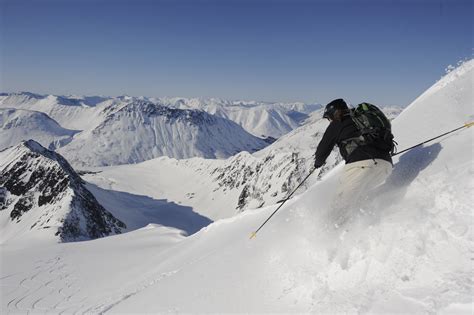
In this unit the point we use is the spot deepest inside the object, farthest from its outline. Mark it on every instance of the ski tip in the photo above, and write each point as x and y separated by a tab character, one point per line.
253	235
469	124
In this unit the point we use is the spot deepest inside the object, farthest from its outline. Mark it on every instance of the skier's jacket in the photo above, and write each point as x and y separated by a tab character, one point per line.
336	133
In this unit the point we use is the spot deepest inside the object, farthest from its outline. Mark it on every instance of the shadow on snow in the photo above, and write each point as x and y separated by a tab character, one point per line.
404	172
138	211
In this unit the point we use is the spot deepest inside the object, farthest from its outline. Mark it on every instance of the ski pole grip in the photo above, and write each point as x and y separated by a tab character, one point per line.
469	124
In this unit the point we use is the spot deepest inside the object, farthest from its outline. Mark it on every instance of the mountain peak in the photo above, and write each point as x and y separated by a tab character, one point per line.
45	193
34	146
148	130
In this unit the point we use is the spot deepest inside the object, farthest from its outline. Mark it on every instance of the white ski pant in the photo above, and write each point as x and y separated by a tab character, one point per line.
356	181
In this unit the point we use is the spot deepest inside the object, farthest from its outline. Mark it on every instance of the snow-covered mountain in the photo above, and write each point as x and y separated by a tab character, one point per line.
76	113
262	119
108	125
409	251
130	129
142	130
44	193
17	125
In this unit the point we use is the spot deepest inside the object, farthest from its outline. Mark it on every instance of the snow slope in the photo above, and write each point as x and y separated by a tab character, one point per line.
216	189
410	251
17	125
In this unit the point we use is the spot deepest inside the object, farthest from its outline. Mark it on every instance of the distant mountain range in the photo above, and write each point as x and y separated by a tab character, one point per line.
97	131
262	119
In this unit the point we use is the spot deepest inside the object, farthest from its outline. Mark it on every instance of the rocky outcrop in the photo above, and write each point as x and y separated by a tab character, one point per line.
39	183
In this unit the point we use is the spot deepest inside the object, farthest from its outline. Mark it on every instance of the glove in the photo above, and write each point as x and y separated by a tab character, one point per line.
317	164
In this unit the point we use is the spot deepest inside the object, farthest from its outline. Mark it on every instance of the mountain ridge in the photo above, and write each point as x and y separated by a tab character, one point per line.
142	130
262	119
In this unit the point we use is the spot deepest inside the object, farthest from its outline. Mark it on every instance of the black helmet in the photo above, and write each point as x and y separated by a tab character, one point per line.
333	106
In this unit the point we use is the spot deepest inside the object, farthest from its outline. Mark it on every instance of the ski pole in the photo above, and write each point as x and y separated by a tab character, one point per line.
255	233
419	144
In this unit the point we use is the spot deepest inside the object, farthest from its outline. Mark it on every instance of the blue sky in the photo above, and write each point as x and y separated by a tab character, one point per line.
386	52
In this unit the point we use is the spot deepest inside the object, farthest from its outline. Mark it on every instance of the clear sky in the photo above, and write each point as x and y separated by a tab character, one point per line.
386	52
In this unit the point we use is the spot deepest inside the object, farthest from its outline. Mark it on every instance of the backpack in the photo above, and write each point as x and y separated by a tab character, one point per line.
374	127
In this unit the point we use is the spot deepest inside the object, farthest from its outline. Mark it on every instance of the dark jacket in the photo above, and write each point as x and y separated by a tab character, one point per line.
339	131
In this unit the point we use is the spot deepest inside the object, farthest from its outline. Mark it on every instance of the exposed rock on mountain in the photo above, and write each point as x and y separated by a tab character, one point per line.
42	191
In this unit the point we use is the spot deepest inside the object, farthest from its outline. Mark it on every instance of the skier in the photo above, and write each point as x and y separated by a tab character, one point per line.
367	165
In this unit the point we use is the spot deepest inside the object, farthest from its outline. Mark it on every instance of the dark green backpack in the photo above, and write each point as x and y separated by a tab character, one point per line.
374	127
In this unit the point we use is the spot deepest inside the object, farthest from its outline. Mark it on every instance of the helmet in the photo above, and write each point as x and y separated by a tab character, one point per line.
333	106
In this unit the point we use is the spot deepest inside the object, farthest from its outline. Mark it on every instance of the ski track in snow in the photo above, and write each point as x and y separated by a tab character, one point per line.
114	301
50	287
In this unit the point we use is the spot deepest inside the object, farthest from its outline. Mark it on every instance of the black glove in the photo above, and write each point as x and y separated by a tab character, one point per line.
317	164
